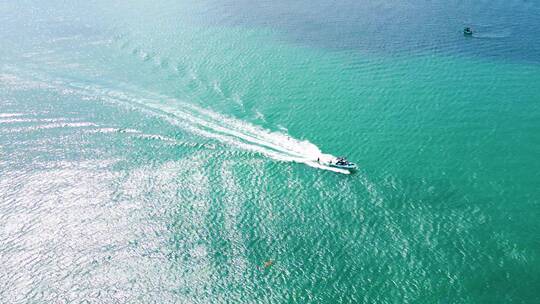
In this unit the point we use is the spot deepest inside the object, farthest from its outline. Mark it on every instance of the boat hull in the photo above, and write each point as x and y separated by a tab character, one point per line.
346	167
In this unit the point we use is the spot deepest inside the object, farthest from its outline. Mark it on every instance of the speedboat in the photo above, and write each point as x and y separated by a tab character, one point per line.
342	163
467	31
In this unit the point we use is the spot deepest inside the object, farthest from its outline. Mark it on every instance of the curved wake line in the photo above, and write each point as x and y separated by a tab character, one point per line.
235	132
203	122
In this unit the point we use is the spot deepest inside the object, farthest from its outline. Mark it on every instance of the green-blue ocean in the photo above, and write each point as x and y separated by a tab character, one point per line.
166	151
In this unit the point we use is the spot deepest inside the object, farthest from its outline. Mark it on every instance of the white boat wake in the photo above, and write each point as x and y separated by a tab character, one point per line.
276	145
203	122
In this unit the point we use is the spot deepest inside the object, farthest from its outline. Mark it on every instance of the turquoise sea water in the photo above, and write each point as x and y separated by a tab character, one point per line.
163	152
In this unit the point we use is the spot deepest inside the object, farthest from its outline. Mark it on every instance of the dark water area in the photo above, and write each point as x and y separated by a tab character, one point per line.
503	30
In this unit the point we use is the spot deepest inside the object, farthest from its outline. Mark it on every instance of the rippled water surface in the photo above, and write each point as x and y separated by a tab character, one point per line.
165	152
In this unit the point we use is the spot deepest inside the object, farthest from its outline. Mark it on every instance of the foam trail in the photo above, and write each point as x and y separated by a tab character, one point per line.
276	145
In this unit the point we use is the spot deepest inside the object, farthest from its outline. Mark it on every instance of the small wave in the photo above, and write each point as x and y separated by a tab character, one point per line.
30	120
53	126
141	135
134	132
113	130
491	33
259	115
67	38
9	115
236	98
16	83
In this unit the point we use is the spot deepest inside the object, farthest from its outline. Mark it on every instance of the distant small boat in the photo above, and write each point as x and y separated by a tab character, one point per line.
342	163
467	31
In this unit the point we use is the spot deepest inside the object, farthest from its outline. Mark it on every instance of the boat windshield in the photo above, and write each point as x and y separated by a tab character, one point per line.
342	161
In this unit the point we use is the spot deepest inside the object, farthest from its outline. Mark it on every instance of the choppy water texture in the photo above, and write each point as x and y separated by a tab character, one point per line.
164	152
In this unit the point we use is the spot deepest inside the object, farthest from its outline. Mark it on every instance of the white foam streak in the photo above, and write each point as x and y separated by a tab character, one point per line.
53	126
30	120
4	115
209	124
